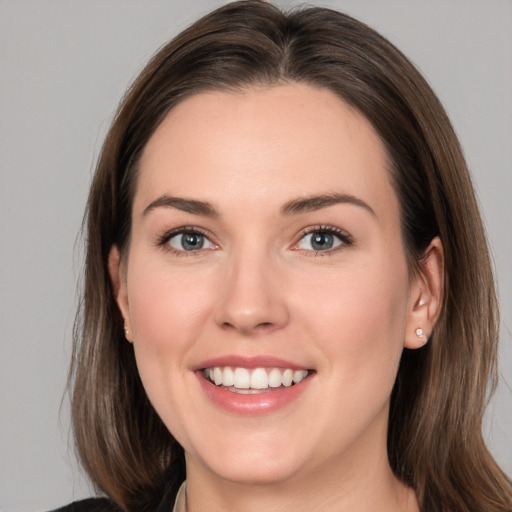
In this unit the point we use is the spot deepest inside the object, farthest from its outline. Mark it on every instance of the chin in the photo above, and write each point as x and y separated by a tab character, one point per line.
262	464
253	473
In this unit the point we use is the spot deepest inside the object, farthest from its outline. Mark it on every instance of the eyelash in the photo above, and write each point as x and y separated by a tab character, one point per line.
163	241
345	240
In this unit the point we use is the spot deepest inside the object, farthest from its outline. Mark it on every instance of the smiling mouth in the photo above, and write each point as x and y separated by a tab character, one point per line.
252	381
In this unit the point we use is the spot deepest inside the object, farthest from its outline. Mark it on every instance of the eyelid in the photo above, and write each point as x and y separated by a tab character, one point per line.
163	240
345	238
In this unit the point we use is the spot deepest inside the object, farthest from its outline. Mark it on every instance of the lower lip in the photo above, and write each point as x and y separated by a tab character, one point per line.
254	404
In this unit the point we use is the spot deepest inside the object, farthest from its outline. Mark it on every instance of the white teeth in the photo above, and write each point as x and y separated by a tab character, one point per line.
242	379
299	375
257	379
228	377
287	377
217	376
274	378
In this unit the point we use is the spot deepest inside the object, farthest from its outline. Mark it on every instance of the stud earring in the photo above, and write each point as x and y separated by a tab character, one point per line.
125	331
419	332
421	302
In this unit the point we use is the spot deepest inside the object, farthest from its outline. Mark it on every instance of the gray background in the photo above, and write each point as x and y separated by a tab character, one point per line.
64	66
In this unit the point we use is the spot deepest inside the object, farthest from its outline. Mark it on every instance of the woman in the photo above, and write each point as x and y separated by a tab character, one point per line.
275	308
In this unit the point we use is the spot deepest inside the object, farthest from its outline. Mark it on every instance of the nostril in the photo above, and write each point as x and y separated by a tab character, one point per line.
264	325
259	327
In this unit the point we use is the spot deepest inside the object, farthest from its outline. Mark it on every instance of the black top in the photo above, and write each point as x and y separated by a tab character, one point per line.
161	501
90	505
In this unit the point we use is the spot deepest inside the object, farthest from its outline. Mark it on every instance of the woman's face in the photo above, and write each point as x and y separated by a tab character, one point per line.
266	247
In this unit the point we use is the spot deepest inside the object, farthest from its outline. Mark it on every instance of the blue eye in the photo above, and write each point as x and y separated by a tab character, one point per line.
323	240
189	242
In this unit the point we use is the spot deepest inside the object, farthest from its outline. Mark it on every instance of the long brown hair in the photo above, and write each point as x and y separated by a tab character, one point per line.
435	442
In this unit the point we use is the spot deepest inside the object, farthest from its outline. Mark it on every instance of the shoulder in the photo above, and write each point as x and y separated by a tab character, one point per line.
90	505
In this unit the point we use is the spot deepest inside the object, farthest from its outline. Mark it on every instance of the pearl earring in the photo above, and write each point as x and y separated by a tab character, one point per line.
419	332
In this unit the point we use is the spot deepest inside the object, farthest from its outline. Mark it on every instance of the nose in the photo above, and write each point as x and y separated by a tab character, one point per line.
252	299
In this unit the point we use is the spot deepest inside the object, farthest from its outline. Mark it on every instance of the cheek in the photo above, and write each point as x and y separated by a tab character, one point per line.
359	318
167	314
166	308
168	311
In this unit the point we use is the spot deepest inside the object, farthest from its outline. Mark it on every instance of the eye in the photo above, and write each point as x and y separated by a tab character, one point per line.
323	239
188	241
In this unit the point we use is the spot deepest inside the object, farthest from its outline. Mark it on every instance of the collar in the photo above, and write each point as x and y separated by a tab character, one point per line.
180	504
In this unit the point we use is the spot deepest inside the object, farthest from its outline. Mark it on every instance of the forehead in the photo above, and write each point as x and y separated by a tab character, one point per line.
264	144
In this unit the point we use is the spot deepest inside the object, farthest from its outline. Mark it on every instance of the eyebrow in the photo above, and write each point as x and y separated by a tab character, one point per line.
313	203
293	207
185	205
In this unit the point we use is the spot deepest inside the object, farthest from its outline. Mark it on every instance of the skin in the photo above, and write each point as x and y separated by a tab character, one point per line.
258	288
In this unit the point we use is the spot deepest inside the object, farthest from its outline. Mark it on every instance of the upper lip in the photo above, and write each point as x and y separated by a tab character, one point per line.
238	361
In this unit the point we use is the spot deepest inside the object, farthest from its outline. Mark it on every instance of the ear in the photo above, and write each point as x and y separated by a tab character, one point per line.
118	277
426	296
